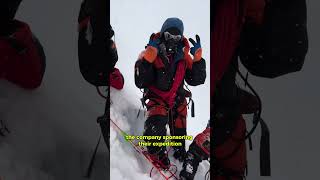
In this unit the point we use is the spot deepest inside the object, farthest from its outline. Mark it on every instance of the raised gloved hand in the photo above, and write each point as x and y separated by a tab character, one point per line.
196	50
116	79
152	49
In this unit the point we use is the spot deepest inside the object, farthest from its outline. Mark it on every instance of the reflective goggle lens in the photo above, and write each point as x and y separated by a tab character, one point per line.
168	36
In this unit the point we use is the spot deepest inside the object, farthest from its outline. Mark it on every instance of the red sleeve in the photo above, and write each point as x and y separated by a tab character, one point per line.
228	18
20	61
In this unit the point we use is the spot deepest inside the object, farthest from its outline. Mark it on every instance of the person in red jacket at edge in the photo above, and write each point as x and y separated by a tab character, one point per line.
228	101
161	70
22	59
116	77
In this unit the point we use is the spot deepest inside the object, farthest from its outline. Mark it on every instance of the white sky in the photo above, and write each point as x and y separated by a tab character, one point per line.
135	21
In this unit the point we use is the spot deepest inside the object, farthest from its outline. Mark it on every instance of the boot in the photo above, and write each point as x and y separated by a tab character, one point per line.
190	167
161	159
180	154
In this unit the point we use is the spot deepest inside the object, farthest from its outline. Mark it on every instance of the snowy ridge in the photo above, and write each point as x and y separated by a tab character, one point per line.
50	138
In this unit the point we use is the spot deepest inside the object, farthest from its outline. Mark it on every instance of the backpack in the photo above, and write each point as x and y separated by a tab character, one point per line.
280	44
94	44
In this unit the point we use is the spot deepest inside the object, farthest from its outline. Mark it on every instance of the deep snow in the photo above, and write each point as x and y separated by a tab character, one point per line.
53	129
125	162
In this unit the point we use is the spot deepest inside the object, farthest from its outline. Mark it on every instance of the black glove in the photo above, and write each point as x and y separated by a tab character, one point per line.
110	32
8	9
113	53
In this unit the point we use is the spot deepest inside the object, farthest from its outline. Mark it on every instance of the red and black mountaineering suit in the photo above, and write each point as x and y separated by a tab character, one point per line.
228	101
163	82
98	54
97	51
270	39
22	58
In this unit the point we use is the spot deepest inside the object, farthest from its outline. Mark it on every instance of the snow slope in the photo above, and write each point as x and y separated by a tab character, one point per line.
53	129
134	22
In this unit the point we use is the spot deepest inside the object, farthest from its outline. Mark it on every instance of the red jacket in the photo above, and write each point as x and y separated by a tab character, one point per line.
166	80
224	38
229	18
22	59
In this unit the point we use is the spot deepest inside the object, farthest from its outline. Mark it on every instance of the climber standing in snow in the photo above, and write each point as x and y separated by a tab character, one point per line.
116	77
161	70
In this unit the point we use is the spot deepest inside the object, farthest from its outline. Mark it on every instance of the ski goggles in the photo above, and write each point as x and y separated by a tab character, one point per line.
168	36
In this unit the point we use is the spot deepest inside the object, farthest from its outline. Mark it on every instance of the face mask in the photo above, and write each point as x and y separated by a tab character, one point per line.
171	42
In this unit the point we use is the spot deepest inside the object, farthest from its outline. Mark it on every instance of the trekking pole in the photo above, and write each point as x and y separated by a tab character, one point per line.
89	170
104	122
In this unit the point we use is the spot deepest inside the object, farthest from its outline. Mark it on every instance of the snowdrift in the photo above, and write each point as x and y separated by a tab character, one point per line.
125	162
